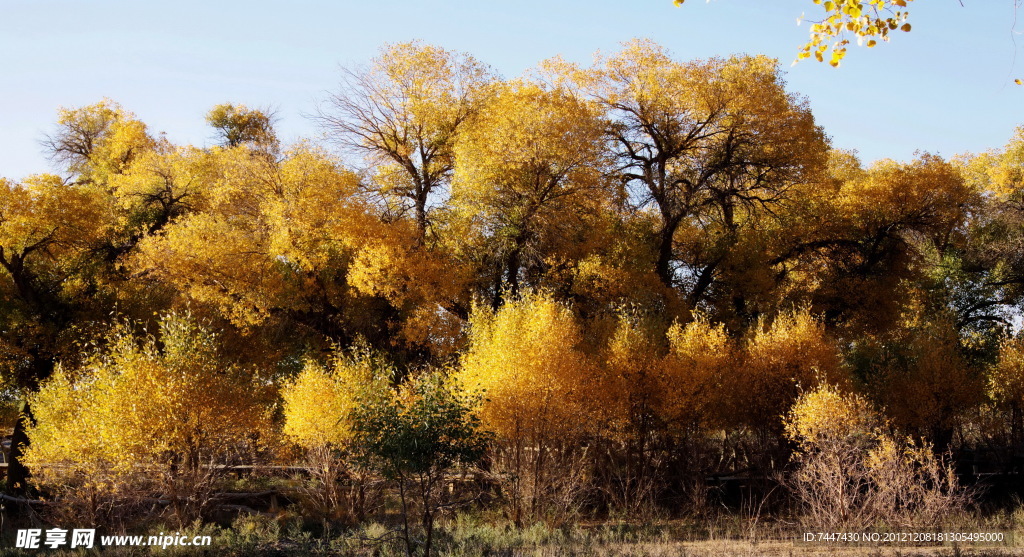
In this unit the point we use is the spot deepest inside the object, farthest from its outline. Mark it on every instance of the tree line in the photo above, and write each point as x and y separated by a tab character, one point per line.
627	277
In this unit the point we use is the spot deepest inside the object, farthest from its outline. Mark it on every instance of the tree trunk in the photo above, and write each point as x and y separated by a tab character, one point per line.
17	473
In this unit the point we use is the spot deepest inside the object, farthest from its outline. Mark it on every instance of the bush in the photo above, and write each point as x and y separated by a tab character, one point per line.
539	395
318	407
146	422
852	473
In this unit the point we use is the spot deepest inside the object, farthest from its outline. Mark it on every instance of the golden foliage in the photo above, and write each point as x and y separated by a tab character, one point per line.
99	140
45	213
147	411
706	146
526	361
148	402
239	124
677	389
166	176
1006	377
868	20
924	380
826	414
531	143
678	205
631	388
853	472
425	283
790	353
318	404
999	172
268	231
863	243
927	194
537	389
700	360
529	175
403	113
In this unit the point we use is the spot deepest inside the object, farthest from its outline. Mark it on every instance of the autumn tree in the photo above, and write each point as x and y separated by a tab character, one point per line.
160	185
240	125
703	144
631	271
921	374
271	241
48	231
701	359
528	169
990	261
660	396
403	114
98	140
319	409
47	227
525	361
781	357
1005	387
877	235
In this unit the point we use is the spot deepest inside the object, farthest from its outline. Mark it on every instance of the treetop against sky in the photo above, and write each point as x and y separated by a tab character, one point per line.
946	87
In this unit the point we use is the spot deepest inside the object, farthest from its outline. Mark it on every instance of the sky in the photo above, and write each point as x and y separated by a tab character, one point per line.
946	87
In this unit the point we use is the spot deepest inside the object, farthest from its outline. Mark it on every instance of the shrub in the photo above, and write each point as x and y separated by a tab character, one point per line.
538	397
318	407
147	419
853	473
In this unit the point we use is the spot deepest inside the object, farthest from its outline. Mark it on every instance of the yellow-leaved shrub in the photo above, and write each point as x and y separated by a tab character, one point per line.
701	357
854	471
791	352
319	402
146	415
526	361
318	413
1006	377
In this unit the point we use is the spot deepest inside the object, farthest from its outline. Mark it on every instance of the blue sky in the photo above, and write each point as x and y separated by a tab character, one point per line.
946	87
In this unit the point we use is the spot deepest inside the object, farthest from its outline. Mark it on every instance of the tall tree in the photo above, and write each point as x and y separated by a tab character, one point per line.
49	230
403	113
240	125
704	144
529	168
96	141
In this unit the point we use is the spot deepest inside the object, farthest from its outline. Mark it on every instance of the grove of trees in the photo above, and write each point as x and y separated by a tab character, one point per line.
603	286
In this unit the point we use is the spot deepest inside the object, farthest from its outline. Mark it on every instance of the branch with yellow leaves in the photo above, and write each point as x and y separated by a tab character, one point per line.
868	20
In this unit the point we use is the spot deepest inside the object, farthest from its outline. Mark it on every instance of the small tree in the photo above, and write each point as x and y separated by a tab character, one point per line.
413	436
527	358
318	407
